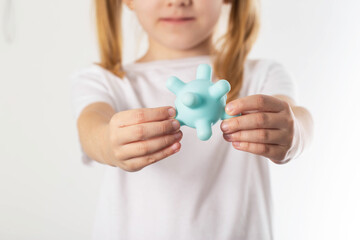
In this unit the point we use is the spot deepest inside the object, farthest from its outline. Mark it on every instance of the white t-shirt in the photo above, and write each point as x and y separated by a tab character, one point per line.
208	190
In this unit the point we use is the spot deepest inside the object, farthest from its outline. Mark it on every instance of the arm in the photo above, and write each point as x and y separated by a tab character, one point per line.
92	126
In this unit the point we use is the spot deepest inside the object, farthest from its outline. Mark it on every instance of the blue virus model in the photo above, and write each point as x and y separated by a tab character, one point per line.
200	103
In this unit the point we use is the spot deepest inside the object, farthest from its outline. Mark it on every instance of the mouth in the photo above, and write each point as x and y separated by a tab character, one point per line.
177	20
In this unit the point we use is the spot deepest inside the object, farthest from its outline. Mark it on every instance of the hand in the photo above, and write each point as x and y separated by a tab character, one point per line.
140	137
268	132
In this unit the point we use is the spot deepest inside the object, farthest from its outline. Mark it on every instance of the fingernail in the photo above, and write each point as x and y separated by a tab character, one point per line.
172	112
175	146
177	135
175	124
229	108
225	126
227	136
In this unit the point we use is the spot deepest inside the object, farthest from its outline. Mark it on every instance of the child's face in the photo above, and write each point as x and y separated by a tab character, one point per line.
153	15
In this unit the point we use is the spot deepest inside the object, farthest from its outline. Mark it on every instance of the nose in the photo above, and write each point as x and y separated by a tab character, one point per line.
179	2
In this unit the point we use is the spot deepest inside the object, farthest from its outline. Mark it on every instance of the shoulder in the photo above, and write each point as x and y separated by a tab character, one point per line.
262	65
93	83
262	70
270	77
92	71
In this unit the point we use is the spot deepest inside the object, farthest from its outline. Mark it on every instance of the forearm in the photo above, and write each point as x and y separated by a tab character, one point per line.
93	125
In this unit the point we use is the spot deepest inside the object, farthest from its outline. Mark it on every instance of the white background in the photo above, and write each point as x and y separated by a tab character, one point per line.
46	192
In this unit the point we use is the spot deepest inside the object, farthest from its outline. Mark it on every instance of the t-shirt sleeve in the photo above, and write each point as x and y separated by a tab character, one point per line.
88	85
278	80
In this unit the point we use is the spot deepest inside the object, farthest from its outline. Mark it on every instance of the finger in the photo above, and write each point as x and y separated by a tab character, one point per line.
139	163
142	148
145	131
275	152
142	115
270	136
260	102
254	121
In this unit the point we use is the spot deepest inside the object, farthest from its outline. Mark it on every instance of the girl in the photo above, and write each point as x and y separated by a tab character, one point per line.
154	187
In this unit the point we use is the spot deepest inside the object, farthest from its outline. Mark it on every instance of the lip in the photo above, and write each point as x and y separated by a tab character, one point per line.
177	20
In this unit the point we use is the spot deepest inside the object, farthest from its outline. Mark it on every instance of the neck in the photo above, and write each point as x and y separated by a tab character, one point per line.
157	51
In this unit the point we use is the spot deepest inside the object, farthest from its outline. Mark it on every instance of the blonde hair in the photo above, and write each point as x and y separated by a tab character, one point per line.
229	58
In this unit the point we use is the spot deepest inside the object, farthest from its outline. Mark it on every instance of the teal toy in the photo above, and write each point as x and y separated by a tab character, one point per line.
200	103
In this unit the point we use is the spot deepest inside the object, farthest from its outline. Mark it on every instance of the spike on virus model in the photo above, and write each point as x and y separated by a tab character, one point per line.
200	103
